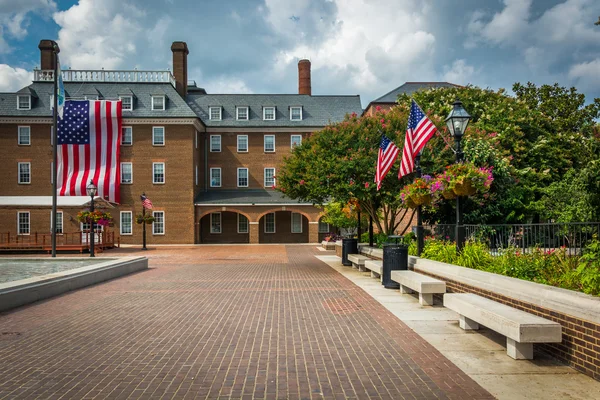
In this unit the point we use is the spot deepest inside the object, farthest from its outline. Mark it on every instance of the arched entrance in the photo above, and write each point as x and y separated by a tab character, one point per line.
224	227
283	227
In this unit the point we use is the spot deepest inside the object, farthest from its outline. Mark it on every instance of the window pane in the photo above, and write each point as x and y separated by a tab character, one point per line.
158	227
296	223
126	102
24	135
24	102
215	223
269	177
215	177
269	143
126	173
296	113
158	103
243	177
215	113
159	173
270	223
24	173
323	227
59	222
215	143
127	135
158	136
242	113
242	224
269	113
296	140
242	142
126	223
23	227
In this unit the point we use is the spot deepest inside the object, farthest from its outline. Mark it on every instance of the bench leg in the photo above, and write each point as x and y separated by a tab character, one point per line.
374	274
519	351
467	324
362	268
426	299
405	290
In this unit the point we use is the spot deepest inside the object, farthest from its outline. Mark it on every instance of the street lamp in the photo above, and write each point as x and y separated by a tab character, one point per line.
457	122
92	190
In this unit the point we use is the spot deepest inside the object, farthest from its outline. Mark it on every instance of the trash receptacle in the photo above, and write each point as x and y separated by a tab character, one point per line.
349	246
395	257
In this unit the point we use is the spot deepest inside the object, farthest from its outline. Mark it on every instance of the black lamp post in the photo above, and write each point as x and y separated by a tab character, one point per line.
143	196
457	122
92	190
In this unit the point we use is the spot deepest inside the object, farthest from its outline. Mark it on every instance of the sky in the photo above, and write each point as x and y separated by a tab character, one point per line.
365	47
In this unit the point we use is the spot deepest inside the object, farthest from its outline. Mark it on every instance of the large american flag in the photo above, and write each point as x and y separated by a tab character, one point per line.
89	136
418	131
388	153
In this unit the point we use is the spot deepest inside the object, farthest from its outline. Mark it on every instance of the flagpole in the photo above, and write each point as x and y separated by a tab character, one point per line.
420	241
55	51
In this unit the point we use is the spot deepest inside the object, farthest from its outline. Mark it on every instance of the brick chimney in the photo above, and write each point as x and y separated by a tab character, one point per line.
180	53
304	77
46	54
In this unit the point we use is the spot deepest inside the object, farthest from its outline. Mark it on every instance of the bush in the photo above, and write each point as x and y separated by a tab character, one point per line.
587	274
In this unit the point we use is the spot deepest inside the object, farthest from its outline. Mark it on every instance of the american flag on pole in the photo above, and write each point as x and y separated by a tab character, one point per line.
388	153
89	136
418	131
146	203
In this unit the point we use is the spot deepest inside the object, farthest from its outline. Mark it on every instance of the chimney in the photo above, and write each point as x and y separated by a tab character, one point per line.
304	77
47	54
180	53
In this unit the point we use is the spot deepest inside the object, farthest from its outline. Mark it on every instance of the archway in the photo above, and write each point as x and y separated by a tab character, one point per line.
283	227
224	227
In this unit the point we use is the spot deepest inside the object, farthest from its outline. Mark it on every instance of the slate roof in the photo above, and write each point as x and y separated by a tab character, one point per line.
317	111
410	88
243	196
175	106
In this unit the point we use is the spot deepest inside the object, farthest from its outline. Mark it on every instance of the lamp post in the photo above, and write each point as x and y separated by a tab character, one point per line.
92	190
457	122
143	196
420	239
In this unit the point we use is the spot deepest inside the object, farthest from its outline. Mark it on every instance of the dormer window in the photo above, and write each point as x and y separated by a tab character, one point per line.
158	103
126	103
214	113
91	97
269	113
295	113
24	102
242	113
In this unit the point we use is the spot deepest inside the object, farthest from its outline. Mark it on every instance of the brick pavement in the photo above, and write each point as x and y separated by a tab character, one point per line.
244	322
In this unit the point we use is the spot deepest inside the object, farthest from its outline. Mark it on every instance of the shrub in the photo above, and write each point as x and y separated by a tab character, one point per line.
587	274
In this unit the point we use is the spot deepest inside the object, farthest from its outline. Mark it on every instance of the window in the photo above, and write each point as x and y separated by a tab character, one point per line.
242	176
24	135
158	172
269	143
24	102
242	223
215	222
59	222
158	226
215	177
296	222
126	172
158	103
270	223
127	136
242	143
23	222
158	135
269	113
296	113
269	177
296	140
242	113
126	223
24	173
126	103
214	113
215	143
323	227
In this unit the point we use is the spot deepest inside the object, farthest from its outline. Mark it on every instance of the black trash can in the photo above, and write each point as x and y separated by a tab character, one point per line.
395	257
349	246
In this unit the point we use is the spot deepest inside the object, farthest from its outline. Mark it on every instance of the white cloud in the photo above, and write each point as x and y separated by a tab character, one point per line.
13	79
505	27
460	72
14	19
587	73
227	84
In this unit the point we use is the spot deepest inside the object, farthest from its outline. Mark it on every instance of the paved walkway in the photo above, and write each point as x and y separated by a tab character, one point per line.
222	322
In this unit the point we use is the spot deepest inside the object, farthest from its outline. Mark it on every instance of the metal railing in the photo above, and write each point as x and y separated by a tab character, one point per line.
120	76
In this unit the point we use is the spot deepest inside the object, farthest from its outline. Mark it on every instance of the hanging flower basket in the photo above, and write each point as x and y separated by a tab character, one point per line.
140	219
421	200
410	203
417	193
464	188
448	194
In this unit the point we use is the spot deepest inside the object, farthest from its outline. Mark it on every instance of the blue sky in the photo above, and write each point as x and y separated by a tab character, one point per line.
365	47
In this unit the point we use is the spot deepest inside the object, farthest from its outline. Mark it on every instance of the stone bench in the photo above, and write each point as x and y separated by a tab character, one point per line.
520	328
425	285
358	261
375	266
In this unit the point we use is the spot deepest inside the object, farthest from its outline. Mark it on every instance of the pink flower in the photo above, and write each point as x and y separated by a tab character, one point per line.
378	108
382	120
354	115
383	126
366	185
302	181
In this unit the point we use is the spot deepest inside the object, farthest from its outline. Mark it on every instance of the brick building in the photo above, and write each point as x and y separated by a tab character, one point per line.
388	100
207	161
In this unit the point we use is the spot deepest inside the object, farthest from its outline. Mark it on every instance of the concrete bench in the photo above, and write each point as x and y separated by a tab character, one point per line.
358	261
425	285
375	266
520	328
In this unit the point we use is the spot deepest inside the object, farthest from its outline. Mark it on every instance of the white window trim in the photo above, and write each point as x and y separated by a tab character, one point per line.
19	101
121	177
265	113
121	223
131	129
163	105
210	113
164	136
247	224
247	177
164	223
238	144
19	135
292	222
274	223
220	223
292	140
196	175
164	173
28	223
62	221
220	177
210	144
265	177
237	113
19	173
265	144
123	104
291	108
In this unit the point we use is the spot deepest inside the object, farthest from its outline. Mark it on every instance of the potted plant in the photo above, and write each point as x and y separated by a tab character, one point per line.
417	193
466	179
98	217
141	218
441	186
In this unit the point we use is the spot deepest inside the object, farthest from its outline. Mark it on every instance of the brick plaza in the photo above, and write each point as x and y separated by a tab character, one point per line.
245	322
